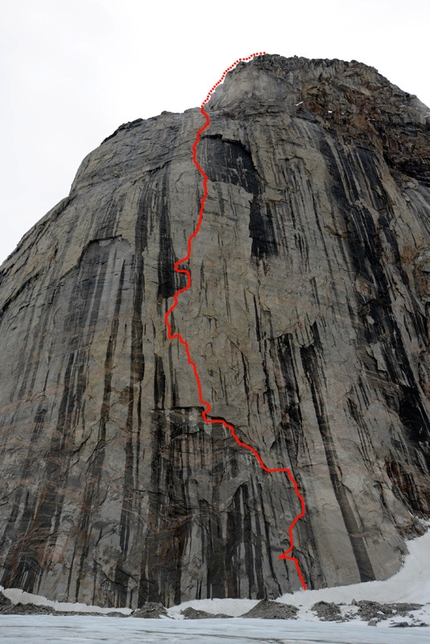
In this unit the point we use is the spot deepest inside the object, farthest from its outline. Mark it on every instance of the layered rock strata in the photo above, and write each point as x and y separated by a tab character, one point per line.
307	318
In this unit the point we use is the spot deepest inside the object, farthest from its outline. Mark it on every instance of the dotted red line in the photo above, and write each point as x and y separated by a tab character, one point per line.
206	405
221	80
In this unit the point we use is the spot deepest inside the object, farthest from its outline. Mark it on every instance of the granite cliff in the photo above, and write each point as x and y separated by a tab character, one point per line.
308	319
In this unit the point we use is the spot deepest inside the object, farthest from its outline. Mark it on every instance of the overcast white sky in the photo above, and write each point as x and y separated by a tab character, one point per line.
72	71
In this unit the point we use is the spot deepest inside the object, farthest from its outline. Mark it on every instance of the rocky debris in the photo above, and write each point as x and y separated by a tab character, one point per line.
266	609
4	601
150	610
192	613
66	613
419	624
26	609
308	321
369	610
401	625
327	611
372	622
9	608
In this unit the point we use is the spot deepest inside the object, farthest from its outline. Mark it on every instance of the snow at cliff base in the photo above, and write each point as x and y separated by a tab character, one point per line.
410	584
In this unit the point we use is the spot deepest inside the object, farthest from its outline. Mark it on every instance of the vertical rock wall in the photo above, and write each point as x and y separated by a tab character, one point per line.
308	321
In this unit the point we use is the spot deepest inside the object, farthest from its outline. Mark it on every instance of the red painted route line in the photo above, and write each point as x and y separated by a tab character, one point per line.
286	554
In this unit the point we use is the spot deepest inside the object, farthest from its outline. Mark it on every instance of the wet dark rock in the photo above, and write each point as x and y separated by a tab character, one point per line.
308	319
327	611
150	610
272	610
192	613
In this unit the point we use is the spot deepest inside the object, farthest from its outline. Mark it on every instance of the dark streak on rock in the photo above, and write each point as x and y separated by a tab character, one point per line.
133	428
311	358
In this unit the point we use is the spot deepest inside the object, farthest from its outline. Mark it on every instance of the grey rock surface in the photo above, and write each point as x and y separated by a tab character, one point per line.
266	609
374	610
192	613
307	319
327	611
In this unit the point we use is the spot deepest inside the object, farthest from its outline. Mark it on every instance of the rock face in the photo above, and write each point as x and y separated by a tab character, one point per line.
308	321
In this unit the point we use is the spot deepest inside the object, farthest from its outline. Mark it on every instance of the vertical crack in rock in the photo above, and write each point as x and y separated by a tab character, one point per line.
93	495
41	530
311	357
293	432
133	422
399	386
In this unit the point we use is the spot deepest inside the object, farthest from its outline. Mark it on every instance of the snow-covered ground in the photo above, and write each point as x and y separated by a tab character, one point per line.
17	629
410	584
